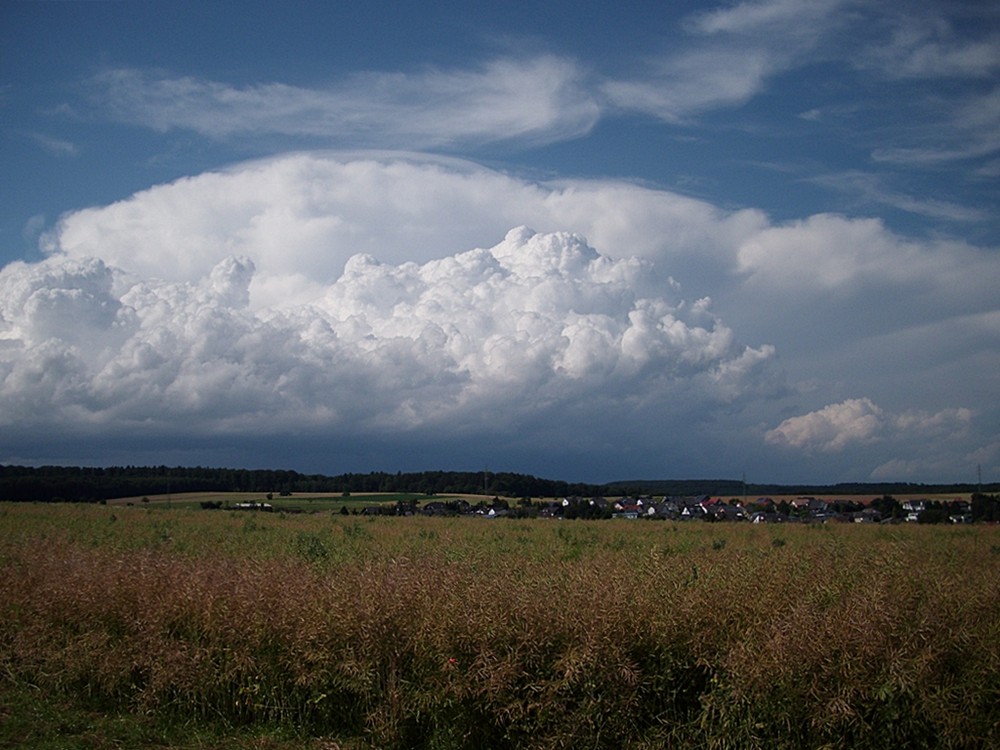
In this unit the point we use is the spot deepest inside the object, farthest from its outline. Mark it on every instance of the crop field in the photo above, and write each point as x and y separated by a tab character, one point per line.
383	632
301	502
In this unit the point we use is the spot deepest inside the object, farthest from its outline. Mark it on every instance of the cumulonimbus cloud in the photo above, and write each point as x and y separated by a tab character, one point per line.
370	292
536	322
300	216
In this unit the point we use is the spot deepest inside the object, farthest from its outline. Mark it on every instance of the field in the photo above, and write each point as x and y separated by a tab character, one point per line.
300	502
135	625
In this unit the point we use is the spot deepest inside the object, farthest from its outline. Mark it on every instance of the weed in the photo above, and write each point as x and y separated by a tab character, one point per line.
444	633
311	547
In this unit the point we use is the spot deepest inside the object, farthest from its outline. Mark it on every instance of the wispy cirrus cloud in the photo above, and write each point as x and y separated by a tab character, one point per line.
764	23
726	57
536	99
681	87
927	45
729	56
716	60
869	187
950	65
55	146
965	128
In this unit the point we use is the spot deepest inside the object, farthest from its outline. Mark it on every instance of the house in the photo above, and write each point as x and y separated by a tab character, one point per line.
768	516
725	512
628	508
811	505
253	506
689	512
913	509
868	515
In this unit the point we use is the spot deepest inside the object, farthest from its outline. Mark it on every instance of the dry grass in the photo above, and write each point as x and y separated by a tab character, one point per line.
438	633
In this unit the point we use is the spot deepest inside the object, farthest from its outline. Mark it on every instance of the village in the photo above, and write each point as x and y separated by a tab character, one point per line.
702	508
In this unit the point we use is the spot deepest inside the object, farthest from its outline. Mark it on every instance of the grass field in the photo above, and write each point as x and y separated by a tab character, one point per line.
307	502
134	626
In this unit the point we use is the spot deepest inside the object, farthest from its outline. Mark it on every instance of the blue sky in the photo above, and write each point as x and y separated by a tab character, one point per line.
575	240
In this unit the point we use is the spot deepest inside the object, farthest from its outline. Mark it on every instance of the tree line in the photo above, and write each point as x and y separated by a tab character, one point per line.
736	488
96	484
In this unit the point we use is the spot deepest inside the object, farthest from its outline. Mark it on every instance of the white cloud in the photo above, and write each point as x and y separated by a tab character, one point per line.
537	100
926	44
946	422
728	58
951	64
867	186
33	227
947	59
301	216
965	128
808	18
721	59
55	146
841	255
689	84
320	289
860	421
532	325
832	428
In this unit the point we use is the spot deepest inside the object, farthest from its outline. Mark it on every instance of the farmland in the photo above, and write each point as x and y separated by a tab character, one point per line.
386	632
301	502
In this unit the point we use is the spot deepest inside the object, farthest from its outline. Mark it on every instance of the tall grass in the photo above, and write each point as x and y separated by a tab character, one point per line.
453	633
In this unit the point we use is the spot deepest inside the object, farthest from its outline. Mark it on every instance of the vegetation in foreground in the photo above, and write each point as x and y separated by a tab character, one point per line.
449	633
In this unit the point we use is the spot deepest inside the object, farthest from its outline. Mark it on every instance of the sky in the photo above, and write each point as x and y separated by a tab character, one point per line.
580	240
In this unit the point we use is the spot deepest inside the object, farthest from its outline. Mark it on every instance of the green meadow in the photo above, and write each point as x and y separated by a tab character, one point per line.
158	625
300	502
